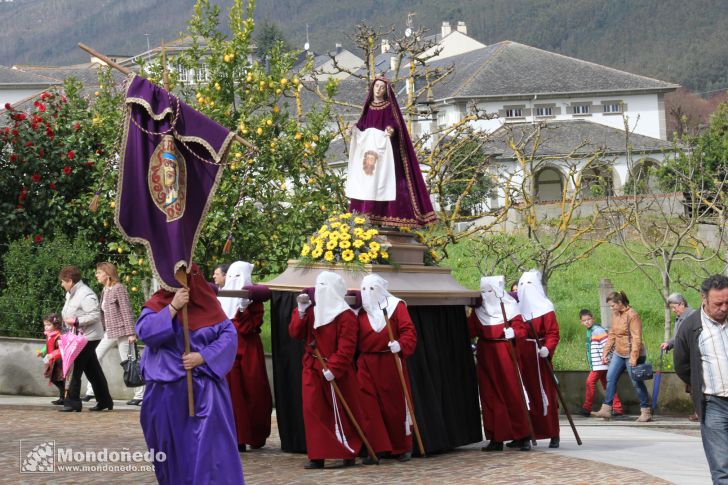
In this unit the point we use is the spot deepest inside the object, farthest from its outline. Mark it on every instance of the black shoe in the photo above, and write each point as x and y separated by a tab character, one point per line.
70	409
582	412
368	460
101	407
134	402
350	462
87	398
405	457
314	465
515	444
525	445
58	402
242	448
554	443
493	446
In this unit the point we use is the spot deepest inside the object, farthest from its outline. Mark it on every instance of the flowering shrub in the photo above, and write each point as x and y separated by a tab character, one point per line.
347	239
47	160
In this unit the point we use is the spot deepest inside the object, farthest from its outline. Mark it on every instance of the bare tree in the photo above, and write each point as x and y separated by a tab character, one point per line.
657	231
557	234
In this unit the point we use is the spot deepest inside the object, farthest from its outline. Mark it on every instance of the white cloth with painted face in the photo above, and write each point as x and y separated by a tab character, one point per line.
239	274
330	303
370	175
374	297
493	291
532	300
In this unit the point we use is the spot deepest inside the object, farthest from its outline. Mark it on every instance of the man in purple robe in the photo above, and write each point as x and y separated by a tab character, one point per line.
412	206
203	448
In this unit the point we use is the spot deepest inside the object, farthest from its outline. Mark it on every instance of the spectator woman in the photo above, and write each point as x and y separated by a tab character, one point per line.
624	350
82	311
118	321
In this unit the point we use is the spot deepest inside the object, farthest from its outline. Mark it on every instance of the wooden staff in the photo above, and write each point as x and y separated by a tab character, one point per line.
359	431
127	71
405	390
555	382
181	276
519	378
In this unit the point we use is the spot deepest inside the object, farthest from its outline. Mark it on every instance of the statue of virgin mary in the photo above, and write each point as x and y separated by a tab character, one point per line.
384	178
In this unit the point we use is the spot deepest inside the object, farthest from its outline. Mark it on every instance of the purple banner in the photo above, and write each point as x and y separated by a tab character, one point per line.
168	173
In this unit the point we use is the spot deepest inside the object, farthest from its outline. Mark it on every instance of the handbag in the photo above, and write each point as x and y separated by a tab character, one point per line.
642	372
132	372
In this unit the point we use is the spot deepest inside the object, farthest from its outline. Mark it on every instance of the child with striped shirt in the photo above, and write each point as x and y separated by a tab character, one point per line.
596	339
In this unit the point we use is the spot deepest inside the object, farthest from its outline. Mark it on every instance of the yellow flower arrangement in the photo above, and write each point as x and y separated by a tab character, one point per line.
346	239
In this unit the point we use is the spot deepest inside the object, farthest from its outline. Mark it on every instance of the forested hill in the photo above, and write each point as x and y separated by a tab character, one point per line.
673	40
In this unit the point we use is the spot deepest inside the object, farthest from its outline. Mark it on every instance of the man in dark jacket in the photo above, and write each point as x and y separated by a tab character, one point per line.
701	360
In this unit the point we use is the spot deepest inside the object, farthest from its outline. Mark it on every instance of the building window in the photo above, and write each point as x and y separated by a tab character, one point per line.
612	107
514	112
183	75
580	109
549	185
202	74
544	111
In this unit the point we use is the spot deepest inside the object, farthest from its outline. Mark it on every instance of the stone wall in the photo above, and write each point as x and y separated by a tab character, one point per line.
21	373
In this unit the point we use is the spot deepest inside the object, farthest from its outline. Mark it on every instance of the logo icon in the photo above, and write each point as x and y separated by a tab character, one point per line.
38	458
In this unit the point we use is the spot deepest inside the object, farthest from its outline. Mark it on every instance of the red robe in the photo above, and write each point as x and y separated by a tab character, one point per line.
248	380
336	341
500	392
536	375
383	399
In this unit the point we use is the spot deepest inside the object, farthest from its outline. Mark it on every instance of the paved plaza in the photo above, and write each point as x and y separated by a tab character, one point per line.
665	451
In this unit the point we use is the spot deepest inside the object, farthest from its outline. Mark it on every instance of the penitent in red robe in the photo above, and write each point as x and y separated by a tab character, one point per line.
535	372
500	392
248	380
383	398
329	432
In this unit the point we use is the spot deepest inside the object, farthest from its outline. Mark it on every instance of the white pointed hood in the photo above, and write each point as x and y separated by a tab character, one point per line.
330	303
493	290
532	300
374	296
239	274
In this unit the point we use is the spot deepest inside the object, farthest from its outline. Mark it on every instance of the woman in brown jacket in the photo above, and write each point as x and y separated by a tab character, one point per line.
624	350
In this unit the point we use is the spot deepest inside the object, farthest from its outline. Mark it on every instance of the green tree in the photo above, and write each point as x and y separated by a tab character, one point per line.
271	36
275	195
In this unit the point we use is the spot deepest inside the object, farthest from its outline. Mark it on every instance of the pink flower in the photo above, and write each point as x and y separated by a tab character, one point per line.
13	157
52	186
71	154
67	170
8	107
29	143
38	238
77	126
35	178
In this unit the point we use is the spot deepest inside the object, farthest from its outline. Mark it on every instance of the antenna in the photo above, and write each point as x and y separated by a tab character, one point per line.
410	23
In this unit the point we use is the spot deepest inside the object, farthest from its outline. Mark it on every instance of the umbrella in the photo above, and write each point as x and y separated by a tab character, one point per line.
656	382
71	344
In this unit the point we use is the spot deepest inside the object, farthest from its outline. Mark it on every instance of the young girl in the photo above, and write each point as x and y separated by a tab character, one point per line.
52	358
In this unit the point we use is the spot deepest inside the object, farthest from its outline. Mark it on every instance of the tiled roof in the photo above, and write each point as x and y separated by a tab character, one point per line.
512	69
16	77
561	138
